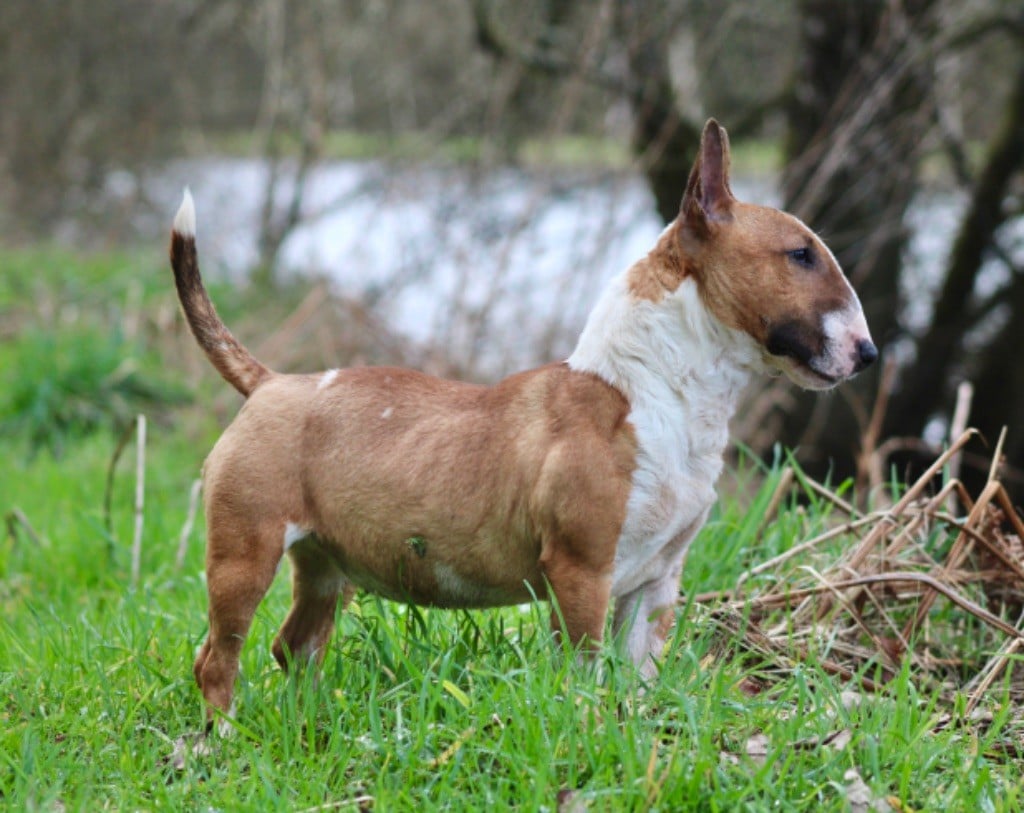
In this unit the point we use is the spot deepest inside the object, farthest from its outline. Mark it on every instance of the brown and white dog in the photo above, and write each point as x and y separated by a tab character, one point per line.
583	481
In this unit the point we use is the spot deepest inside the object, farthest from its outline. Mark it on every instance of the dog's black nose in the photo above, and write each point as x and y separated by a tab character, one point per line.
866	353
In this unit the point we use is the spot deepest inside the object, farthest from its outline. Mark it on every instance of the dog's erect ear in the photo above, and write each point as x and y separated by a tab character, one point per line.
708	197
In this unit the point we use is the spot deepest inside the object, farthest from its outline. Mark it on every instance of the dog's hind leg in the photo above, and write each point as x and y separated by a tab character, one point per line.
240	566
317	583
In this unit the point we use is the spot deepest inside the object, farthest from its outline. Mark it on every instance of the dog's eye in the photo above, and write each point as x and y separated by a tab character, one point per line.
803	257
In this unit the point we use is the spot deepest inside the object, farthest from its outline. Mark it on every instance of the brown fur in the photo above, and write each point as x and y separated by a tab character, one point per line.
516	488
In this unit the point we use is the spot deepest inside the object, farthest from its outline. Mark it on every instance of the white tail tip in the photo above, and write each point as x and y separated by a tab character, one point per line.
185	220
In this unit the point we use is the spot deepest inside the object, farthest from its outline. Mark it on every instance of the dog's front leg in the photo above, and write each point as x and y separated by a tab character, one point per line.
580	595
644	617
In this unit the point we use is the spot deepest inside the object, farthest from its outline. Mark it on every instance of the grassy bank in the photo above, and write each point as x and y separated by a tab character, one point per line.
415	708
749	156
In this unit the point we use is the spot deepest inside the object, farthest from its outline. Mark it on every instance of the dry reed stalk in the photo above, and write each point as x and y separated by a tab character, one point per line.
1014	566
831	497
857	618
15	519
140	497
108	491
992	670
872	432
957	426
783	599
778	495
871	541
190	518
961	547
746	635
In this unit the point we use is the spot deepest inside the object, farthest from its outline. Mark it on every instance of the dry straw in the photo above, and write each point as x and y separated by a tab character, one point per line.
909	581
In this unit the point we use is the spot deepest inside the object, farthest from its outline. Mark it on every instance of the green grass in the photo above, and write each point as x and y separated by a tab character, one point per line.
416	709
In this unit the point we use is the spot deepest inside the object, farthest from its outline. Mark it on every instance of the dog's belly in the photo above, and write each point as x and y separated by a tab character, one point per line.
439	585
434	569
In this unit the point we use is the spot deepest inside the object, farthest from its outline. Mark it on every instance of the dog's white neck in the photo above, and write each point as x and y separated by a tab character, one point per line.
683	372
671	355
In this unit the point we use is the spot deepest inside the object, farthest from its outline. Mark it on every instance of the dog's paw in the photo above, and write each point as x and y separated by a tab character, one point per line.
188	748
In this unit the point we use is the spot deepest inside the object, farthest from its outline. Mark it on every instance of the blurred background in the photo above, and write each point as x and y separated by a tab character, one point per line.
449	185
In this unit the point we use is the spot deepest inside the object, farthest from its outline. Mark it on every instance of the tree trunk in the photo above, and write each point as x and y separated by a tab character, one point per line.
926	386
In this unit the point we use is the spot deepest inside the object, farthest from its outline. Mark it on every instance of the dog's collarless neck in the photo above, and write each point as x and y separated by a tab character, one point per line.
669	352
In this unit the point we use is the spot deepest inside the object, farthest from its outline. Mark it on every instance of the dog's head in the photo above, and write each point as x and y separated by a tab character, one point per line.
765	273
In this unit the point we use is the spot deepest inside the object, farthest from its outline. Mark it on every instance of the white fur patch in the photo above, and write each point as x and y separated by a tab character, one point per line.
455	587
327	379
185	219
840	325
456	590
224	727
387	413
293	533
843	329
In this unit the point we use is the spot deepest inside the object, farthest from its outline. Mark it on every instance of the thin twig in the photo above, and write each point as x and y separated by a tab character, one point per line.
895	577
108	492
961	547
840	530
993	670
860	554
756	641
1017	568
867	477
997	458
858	619
832	497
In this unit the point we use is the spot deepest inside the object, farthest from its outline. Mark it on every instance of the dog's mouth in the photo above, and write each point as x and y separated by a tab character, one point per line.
802	373
825	378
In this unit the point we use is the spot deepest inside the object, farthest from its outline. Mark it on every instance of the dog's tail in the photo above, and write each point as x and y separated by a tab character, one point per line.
232	360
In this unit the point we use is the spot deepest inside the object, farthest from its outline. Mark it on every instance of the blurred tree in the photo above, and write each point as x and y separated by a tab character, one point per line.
971	335
631	59
90	88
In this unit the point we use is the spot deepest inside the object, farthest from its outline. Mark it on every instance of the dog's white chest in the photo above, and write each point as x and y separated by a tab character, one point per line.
681	437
